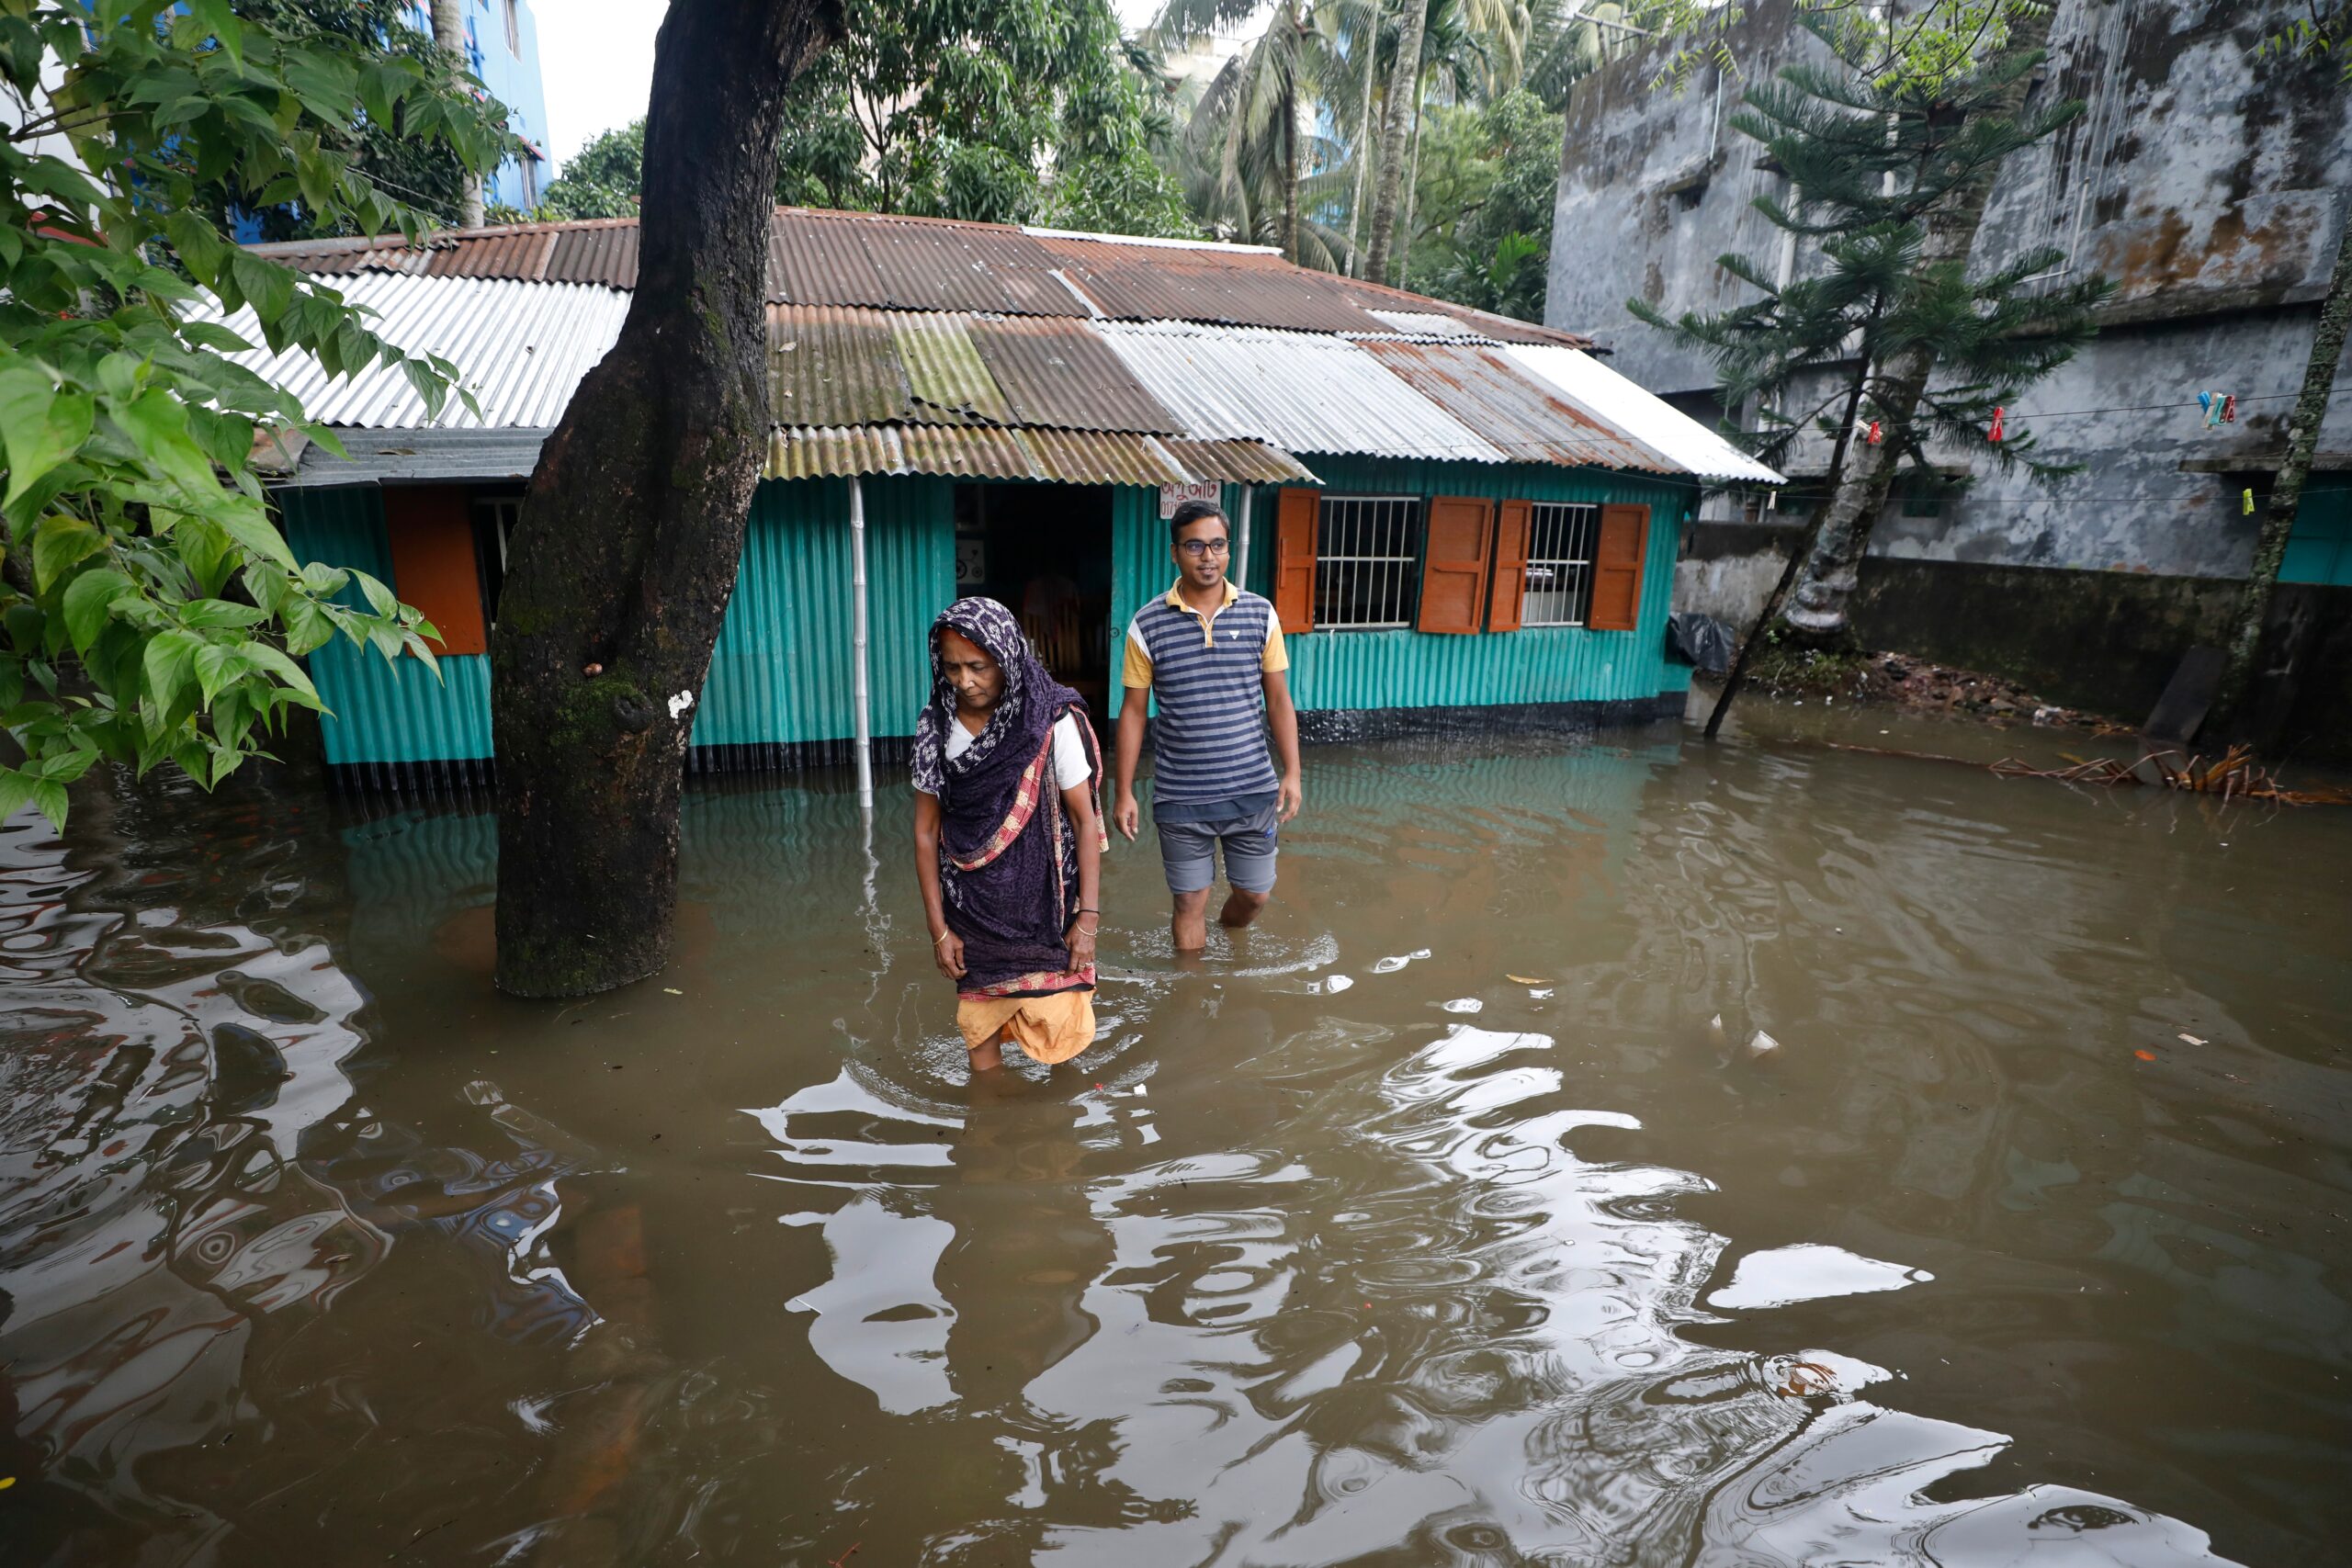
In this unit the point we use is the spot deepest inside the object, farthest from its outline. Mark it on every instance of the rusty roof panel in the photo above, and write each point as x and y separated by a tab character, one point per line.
1522	416
602	253
973	452
944	373
1060	372
1238	462
887	262
828	258
1148	282
810	263
829	367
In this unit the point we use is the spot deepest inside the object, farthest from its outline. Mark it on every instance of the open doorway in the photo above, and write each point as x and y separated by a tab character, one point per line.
1045	551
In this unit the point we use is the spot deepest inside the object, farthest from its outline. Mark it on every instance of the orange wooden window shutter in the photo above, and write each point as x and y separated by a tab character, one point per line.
432	535
1514	523
1455	568
1617	568
1301	512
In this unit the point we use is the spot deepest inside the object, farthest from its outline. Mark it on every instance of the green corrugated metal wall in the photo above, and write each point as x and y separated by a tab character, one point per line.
1409	669
782	669
381	712
780	673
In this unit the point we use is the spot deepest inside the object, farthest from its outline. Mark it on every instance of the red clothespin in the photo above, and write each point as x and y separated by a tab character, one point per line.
2230	409
1874	436
2000	431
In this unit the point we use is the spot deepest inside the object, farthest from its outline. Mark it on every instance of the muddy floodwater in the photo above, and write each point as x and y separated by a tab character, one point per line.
1435	1222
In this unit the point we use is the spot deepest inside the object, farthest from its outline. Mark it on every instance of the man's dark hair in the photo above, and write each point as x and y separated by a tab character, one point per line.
1194	512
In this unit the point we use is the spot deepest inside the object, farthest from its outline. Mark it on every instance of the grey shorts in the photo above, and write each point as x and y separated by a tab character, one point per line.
1188	852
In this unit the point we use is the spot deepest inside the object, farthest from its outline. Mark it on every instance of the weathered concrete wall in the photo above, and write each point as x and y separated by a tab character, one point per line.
2210	182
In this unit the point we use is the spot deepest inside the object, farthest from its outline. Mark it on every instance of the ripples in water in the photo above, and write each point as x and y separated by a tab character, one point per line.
313	1247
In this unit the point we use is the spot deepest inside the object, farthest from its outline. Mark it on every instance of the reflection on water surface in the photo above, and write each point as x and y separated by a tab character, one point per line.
1433	1222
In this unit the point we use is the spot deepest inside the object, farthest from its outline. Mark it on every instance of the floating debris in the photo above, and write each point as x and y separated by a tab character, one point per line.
2235	775
1761	1046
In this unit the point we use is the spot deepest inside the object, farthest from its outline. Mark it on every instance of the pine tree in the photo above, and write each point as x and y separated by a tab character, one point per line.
1889	175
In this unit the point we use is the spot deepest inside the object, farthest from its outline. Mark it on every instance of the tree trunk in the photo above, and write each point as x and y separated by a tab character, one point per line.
449	33
632	528
1412	197
1825	586
1363	135
1404	98
1290	130
1776	602
2287	492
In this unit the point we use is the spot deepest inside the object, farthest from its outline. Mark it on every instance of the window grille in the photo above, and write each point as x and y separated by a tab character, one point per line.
1559	564
1367	562
496	518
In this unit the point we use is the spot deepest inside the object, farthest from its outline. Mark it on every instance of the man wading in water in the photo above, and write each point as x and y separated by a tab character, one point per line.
1211	649
1008	837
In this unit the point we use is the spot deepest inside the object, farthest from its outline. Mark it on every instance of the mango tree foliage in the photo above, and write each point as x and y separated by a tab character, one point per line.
149	611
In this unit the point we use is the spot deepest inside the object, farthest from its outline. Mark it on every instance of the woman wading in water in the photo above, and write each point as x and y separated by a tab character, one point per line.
1009	838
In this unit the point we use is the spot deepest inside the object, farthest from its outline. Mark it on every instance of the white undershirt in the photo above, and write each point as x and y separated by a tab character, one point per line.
1070	766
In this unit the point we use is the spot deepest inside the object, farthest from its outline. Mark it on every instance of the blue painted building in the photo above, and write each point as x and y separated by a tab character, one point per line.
1463	520
501	48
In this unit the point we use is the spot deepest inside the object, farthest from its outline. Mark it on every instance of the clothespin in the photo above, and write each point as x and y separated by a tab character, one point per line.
1874	436
2230	409
2245	501
2000	431
2205	404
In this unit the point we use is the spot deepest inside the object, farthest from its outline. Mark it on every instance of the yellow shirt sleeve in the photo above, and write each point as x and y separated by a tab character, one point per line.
1277	657
1138	670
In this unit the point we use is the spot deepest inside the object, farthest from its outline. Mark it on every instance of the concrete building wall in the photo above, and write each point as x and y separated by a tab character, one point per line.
2212	183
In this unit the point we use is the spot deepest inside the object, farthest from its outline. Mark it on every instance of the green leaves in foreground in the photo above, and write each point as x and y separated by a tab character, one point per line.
151	613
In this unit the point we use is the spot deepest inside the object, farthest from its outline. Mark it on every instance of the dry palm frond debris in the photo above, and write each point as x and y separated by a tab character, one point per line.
2235	775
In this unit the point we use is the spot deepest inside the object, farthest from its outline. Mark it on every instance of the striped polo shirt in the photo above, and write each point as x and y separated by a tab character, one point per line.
1208	742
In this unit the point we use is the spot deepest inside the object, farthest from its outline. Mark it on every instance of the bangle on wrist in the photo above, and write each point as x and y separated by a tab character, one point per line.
940	938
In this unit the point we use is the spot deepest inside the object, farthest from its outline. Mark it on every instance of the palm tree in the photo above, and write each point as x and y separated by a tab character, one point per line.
1253	103
1482	45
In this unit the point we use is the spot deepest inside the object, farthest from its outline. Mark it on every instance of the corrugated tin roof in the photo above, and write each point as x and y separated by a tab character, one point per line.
1301	391
884	261
944	367
837	364
522	346
830	365
1685	443
1060	372
425	456
1022	369
1238	462
1070	457
1523	415
1428	323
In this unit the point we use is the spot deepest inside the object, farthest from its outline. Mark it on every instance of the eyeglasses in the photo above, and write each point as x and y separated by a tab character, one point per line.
1204	546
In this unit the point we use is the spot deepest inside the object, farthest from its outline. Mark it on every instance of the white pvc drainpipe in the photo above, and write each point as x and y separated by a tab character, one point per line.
857	643
1241	551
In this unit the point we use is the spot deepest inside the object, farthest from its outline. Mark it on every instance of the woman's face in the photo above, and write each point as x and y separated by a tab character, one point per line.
978	681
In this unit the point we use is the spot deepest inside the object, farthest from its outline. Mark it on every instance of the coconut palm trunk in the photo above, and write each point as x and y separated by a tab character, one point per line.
1364	134
449	34
1404	98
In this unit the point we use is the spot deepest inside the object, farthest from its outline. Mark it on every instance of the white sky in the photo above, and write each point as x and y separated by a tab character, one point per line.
596	63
